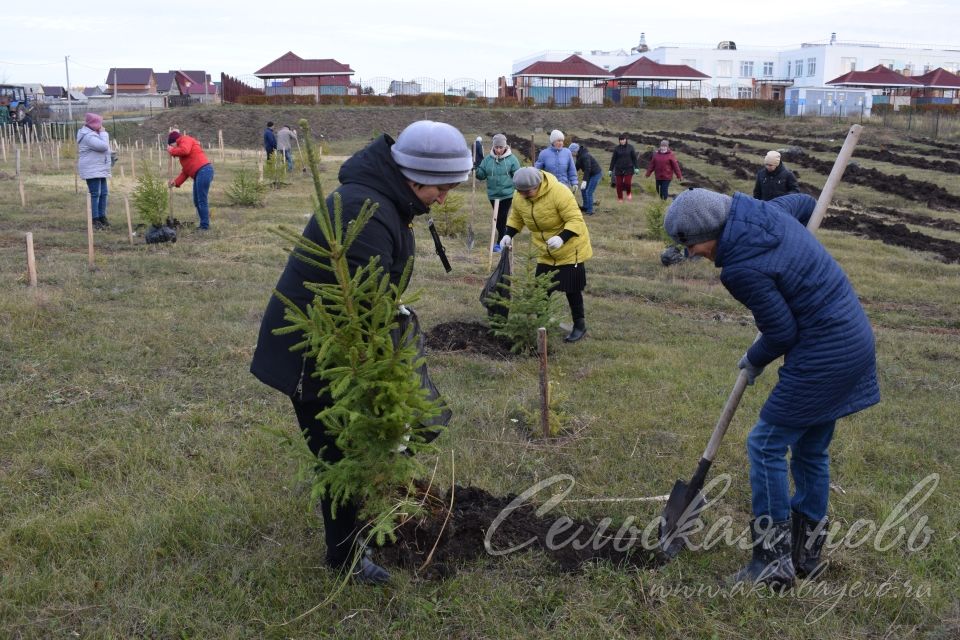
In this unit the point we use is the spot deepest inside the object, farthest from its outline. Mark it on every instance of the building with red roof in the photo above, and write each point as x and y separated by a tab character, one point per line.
292	74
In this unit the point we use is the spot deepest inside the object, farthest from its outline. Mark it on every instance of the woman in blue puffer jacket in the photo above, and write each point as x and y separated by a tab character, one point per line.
558	160
807	312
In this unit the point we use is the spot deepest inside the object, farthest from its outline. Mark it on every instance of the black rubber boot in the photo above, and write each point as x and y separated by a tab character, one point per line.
772	562
808	538
579	330
367	571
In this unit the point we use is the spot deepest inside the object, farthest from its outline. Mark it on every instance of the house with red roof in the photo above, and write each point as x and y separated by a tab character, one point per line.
886	85
291	74
939	87
134	80
645	77
561	81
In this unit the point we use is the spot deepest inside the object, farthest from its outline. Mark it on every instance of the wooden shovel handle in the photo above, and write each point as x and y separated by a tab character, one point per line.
733	400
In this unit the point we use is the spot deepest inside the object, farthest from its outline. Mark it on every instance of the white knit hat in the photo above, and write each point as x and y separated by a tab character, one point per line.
772	157
555	135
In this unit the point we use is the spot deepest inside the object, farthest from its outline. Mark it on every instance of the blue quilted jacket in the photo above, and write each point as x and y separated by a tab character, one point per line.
805	307
560	163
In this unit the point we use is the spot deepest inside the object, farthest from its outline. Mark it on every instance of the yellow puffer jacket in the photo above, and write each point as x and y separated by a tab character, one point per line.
552	210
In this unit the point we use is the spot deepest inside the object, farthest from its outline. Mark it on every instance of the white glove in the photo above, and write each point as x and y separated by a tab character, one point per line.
555	242
583	186
506	242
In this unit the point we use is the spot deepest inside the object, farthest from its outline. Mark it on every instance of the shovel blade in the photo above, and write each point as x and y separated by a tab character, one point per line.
683	506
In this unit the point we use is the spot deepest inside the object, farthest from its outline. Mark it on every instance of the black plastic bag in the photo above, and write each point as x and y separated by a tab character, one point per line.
672	255
409	332
500	275
157	234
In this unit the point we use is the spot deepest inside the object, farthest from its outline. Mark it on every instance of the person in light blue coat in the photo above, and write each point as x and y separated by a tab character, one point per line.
808	313
558	160
95	164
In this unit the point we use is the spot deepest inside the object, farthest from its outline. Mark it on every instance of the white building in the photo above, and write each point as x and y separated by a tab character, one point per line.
768	72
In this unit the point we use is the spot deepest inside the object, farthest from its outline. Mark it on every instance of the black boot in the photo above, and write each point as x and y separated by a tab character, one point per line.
808	538
579	330
771	563
366	571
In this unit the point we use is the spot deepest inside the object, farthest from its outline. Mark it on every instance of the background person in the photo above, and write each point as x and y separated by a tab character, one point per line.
592	173
623	166
403	178
557	160
498	170
286	138
774	179
808	312
269	140
94	165
194	164
559	234
664	166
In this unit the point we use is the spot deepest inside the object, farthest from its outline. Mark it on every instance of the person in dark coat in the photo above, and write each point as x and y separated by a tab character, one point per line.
403	178
477	151
774	179
623	166
591	175
807	312
269	140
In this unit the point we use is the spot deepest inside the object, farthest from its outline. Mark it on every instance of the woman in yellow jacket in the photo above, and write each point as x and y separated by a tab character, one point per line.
549	209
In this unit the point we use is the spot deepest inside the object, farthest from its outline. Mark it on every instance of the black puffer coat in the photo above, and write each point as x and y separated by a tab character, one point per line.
779	182
624	160
369	174
587	163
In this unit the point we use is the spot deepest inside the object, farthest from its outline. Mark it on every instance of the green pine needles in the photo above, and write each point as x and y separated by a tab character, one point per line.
352	332
150	198
246	190
530	306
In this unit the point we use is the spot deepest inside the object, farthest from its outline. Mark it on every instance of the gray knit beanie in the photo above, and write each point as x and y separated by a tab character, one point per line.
527	178
499	140
556	135
432	153
574	148
697	215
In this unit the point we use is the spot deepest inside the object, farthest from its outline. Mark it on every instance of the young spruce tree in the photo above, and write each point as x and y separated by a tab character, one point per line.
352	333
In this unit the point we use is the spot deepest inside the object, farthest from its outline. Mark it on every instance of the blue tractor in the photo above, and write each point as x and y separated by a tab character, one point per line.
15	106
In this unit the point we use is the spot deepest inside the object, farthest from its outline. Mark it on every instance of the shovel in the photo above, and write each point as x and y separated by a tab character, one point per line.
686	500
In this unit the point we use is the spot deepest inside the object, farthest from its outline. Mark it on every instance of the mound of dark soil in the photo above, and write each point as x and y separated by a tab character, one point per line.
470	337
449	537
894	234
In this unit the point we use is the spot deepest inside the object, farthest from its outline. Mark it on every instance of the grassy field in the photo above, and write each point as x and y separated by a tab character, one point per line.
142	495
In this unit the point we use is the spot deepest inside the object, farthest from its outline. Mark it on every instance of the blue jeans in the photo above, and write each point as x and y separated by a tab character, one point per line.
663	189
288	154
98	197
767	447
592	183
201	188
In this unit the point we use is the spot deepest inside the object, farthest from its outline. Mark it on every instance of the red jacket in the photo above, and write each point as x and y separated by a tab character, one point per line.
192	158
664	165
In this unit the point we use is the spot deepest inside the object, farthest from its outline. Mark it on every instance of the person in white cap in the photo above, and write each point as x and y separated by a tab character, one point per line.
774	179
403	179
558	160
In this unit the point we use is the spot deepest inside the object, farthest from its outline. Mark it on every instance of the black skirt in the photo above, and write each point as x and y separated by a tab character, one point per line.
569	278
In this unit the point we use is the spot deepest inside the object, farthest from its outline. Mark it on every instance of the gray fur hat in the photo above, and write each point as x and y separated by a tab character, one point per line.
697	215
432	153
527	178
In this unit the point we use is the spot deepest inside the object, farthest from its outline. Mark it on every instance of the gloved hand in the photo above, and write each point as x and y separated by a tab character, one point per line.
609	174
636	171
573	187
753	371
583	186
554	243
506	242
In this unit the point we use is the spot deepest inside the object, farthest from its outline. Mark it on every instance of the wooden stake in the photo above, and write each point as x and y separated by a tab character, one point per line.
3	145
493	232
544	384
126	205
220	140
58	156
133	165
122	174
90	261
31	261
23	195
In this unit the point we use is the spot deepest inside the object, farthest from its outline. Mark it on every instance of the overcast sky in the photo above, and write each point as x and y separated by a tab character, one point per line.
442	39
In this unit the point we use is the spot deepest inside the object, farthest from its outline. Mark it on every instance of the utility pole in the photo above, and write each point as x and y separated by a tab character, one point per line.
66	63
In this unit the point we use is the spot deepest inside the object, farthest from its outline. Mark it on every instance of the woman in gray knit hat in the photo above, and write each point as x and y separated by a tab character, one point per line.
403	179
808	313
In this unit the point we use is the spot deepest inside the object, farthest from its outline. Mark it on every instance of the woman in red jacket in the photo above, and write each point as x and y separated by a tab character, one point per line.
664	166
194	164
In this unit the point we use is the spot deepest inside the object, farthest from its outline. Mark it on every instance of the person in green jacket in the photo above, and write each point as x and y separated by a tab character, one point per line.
558	232
498	169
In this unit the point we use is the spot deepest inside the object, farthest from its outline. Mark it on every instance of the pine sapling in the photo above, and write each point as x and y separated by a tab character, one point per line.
529	307
351	332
